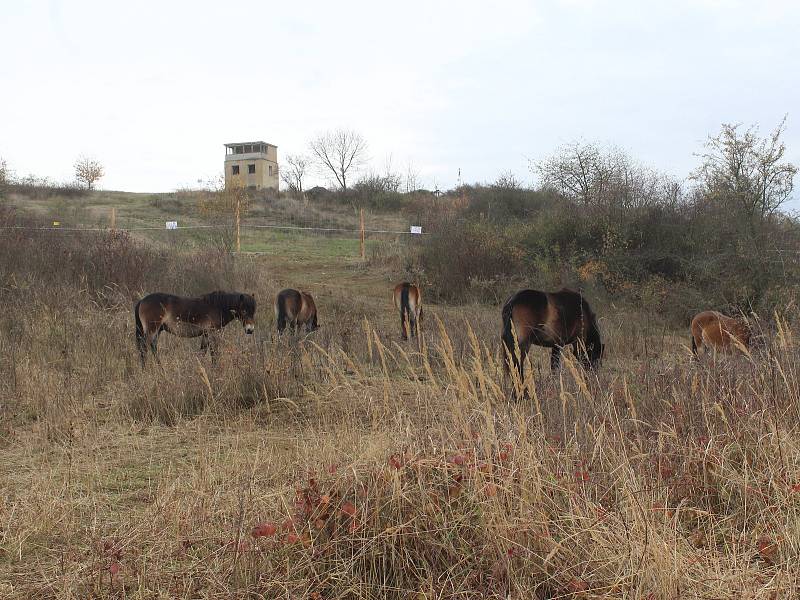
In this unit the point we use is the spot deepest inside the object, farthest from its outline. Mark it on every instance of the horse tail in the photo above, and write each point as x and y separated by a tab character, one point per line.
280	312
405	307
141	342
508	335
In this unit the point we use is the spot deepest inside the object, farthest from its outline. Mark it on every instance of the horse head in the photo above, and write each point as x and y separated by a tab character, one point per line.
595	348
246	311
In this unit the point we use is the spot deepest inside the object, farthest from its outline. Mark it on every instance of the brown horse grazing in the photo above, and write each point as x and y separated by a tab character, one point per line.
296	310
714	331
552	320
408	300
190	317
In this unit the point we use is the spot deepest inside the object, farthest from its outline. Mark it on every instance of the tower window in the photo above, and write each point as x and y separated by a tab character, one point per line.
235	170
251	169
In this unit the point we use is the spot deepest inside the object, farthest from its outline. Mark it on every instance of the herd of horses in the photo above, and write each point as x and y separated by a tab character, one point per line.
552	320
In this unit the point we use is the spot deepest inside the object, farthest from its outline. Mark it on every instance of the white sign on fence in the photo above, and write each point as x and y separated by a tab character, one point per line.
416	229
172	224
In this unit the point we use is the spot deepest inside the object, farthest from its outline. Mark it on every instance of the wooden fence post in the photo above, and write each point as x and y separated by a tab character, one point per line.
238	222
362	233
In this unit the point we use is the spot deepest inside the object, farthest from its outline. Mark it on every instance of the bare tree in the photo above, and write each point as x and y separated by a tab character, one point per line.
745	172
339	152
412	177
226	202
577	170
88	171
294	171
391	180
5	172
605	176
507	181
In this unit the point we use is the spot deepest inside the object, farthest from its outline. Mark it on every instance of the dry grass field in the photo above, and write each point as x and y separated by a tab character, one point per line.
347	464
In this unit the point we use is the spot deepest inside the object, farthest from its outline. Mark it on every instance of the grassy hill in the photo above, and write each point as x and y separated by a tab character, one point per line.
347	464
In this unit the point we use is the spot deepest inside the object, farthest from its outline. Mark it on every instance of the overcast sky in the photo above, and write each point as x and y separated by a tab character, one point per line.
154	89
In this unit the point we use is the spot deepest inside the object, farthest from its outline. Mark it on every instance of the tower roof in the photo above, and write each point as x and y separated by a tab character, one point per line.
231	144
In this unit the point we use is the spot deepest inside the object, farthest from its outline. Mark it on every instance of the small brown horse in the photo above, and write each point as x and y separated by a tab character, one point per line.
190	317
408	300
552	320
296	310
714	331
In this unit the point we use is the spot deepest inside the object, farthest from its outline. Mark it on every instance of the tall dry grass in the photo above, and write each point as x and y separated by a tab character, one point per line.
347	465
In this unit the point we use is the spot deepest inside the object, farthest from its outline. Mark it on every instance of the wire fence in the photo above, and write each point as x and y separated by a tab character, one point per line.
305	230
218	226
268	228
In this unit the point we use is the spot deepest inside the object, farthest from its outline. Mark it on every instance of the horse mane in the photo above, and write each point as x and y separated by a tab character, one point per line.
224	301
593	329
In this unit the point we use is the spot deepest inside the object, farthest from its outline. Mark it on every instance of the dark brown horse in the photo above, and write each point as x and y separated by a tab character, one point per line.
190	317
296	310
408	300
552	320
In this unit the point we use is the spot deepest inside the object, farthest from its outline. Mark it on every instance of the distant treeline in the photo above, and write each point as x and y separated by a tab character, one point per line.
600	221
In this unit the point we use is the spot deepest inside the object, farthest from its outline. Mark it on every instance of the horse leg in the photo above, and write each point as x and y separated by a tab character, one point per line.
417	334
403	326
523	353
695	355
581	352
413	322
511	359
154	345
213	347
141	345
281	322
555	358
204	343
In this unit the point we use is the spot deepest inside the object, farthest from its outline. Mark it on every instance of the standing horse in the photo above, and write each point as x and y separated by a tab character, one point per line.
190	317
408	300
552	320
713	330
295	309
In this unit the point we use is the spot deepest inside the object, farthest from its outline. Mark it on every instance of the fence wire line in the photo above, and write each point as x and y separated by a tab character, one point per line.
299	228
243	226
